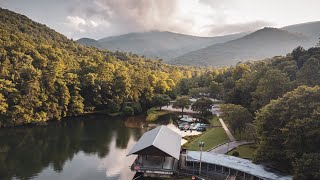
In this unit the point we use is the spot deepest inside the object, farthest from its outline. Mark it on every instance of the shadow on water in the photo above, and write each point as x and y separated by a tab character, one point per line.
167	119
28	152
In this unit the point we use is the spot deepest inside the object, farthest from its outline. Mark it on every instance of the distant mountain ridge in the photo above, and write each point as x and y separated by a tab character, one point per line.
157	44
309	29
264	43
181	49
89	42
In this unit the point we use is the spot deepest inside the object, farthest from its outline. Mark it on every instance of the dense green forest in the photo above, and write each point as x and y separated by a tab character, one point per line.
283	96
45	76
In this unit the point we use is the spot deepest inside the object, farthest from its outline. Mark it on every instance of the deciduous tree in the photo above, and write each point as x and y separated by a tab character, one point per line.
160	100
289	127
236	116
182	103
202	105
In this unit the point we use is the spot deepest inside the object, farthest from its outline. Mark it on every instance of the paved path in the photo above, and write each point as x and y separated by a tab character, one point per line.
227	130
232	144
224	148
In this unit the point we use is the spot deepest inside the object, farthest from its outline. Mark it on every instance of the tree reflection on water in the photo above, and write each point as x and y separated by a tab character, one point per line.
27	151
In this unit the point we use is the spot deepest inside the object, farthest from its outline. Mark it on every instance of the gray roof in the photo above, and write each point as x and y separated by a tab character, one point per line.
162	138
236	163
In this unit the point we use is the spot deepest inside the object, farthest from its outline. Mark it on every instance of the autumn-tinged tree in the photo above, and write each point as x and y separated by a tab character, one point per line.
44	75
3	104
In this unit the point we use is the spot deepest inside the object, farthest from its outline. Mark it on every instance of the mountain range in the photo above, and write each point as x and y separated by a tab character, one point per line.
183	49
156	44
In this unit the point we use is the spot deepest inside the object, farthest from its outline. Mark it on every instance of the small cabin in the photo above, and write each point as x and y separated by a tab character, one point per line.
158	152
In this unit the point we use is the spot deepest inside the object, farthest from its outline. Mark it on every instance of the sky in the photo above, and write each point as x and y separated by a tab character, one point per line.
102	18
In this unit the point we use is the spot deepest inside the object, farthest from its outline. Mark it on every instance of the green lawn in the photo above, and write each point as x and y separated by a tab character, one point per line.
211	138
243	136
215	121
245	151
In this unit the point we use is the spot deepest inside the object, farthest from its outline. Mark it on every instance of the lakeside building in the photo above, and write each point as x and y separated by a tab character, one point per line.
160	155
158	152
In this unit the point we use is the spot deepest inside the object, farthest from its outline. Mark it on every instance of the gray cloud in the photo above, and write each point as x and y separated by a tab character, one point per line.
223	29
101	18
129	15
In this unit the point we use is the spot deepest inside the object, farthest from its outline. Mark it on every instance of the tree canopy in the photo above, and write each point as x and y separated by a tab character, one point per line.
45	76
289	127
160	100
202	105
236	116
182	103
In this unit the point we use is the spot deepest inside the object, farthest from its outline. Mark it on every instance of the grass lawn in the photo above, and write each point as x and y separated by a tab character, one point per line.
211	138
245	135
154	114
215	121
245	151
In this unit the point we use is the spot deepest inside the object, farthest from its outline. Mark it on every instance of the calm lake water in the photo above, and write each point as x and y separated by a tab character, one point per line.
91	147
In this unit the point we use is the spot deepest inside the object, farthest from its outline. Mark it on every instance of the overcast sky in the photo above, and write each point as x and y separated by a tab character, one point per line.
101	18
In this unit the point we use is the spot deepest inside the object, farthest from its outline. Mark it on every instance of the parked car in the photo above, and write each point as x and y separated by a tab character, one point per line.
203	125
201	129
184	126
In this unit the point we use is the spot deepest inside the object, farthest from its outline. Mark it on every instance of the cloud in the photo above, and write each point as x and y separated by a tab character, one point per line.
125	16
223	29
217	3
132	15
101	18
83	25
76	20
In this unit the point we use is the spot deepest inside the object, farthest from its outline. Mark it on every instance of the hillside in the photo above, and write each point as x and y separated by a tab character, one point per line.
89	42
267	42
46	76
310	29
157	44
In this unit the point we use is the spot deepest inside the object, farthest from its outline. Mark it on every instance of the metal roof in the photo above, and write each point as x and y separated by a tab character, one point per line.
236	163
162	138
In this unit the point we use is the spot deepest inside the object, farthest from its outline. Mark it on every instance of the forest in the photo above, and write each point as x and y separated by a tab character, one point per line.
280	98
45	76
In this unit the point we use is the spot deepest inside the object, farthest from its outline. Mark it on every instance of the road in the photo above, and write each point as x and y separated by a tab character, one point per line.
224	148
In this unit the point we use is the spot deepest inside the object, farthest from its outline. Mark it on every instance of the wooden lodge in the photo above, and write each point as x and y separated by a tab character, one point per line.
158	152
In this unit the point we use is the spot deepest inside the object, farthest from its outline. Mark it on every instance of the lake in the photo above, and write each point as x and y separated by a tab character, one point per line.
81	148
